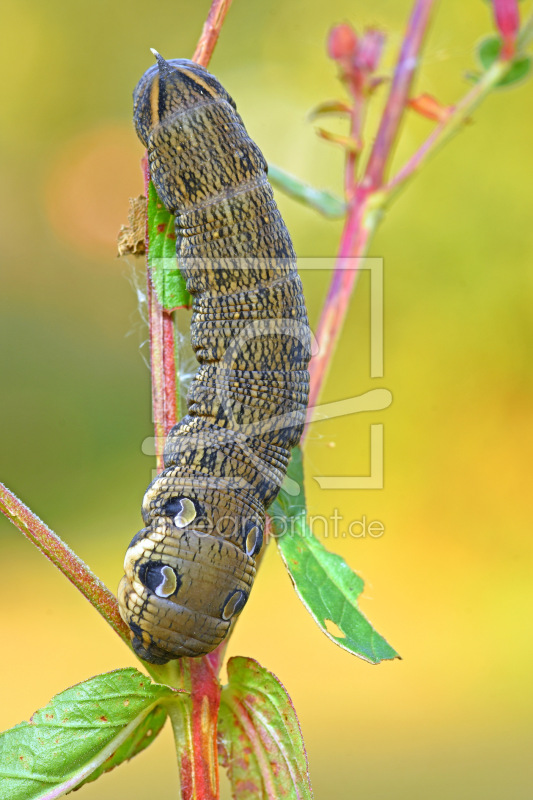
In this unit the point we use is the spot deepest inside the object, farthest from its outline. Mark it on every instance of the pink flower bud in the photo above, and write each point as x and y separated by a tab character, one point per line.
369	50
342	42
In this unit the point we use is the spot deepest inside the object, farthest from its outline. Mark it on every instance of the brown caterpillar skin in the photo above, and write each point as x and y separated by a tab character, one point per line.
190	570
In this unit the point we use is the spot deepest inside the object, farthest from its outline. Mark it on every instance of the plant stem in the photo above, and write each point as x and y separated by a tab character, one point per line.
161	354
404	73
70	564
165	401
365	200
195	732
362	220
211	31
371	196
451	125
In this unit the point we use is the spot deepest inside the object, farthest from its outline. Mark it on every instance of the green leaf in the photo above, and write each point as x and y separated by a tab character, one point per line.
86	729
262	743
138	741
519	70
488	52
324	582
325	202
168	281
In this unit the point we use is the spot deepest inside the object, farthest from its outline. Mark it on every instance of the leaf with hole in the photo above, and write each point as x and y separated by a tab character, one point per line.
324	582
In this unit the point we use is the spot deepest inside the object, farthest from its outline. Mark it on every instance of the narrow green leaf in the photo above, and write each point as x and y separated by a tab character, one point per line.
329	107
168	281
262	745
77	733
325	202
324	582
348	143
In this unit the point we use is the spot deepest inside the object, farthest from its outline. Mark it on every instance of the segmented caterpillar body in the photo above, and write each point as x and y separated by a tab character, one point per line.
189	572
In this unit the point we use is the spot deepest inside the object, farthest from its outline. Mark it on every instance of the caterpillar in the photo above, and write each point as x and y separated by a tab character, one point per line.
189	571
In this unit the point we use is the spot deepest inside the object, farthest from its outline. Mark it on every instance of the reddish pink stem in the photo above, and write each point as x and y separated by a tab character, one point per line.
211	31
205	693
353	244
169	366
164	401
163	360
399	92
64	559
357	230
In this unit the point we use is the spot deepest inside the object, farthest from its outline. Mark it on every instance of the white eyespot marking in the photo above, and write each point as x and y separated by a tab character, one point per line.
233	604
251	540
186	514
168	584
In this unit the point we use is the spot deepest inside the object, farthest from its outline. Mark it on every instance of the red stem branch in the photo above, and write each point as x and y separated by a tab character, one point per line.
452	124
364	204
211	32
64	559
353	244
399	92
205	694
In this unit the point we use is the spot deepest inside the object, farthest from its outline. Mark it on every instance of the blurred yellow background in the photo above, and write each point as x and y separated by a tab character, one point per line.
449	582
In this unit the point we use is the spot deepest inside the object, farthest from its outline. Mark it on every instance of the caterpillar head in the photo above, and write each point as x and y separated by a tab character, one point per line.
189	572
171	87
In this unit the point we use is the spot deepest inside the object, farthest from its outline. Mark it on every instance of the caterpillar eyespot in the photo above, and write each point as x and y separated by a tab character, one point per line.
159	578
234	604
189	572
184	511
253	540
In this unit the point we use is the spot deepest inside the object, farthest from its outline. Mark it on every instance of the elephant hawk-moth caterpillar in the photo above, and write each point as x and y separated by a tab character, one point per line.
189	572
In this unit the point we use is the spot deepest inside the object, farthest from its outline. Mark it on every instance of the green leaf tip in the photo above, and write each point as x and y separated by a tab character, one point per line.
324	582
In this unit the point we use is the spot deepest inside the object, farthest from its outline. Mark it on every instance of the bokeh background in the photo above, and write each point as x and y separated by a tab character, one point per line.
449	582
